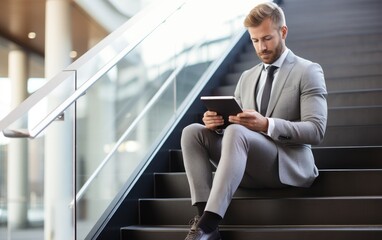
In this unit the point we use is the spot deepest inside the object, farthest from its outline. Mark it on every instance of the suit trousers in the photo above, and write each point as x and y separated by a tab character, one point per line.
243	157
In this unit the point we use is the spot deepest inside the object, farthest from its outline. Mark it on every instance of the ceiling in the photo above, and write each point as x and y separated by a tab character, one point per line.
20	17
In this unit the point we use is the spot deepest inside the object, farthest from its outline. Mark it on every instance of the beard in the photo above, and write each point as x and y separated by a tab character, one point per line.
270	56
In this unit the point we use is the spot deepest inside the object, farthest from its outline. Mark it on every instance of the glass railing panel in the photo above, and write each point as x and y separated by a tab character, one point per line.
124	116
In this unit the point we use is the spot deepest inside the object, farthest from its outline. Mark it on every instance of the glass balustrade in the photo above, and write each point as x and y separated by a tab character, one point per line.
137	83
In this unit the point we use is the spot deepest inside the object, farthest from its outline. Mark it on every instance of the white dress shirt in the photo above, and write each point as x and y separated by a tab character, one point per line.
261	84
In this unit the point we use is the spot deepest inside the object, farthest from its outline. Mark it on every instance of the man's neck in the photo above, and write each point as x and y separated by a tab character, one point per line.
280	59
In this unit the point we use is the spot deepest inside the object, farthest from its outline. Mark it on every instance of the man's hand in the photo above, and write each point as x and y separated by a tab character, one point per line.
212	120
251	120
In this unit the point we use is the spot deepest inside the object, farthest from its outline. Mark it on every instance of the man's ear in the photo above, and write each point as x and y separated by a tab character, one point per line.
284	32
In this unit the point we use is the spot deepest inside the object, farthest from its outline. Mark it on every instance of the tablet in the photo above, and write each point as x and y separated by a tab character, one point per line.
223	105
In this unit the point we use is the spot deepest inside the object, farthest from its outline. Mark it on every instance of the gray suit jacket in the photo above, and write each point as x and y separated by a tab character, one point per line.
299	109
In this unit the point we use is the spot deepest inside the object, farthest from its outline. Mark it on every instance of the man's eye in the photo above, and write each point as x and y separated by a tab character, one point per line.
255	40
267	38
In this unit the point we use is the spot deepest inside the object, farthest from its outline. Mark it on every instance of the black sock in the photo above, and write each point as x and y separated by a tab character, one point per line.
200	206
209	221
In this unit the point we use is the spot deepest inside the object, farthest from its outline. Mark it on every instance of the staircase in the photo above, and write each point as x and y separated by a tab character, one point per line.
345	202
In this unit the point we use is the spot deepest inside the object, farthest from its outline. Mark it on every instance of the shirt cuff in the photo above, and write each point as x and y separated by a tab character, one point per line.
271	126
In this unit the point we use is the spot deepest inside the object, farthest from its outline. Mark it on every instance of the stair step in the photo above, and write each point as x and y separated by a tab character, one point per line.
337	28
348	157
340	136
353	70
352	116
330	183
358	157
344	44
336	58
277	211
147	232
353	83
368	97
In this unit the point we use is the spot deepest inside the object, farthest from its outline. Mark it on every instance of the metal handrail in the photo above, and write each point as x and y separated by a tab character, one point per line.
71	71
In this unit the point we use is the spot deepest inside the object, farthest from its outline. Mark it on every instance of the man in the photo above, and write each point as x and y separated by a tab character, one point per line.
270	149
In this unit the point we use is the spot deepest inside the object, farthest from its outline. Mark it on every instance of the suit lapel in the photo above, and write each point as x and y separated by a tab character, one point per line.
285	69
255	76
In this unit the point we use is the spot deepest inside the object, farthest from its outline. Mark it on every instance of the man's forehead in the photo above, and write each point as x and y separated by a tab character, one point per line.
267	27
261	33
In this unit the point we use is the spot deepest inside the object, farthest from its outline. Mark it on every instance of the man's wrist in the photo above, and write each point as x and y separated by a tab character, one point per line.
266	125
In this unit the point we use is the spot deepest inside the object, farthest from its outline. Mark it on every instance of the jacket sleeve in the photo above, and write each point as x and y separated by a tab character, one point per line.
307	124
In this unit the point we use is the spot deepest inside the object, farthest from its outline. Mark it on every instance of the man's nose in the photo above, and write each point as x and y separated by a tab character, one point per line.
262	45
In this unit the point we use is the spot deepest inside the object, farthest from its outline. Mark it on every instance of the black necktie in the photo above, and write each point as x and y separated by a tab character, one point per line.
267	90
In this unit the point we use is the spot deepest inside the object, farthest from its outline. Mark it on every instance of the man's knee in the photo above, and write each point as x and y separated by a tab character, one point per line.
191	132
235	130
192	129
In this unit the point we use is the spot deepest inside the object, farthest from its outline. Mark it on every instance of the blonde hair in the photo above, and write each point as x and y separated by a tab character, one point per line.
263	11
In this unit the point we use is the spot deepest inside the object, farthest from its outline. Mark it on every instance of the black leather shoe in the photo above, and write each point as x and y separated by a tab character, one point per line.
198	234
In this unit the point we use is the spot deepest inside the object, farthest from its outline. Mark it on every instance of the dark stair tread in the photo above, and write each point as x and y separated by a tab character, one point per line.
353	98
357	157
368	157
355	42
271	211
160	227
352	116
266	233
329	183
350	232
356	135
354	82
